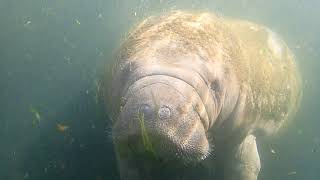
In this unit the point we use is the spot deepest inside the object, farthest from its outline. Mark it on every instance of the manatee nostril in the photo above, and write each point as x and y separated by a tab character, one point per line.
146	110
215	85
164	112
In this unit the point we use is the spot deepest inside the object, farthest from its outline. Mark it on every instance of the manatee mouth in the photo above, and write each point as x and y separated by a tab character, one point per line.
158	120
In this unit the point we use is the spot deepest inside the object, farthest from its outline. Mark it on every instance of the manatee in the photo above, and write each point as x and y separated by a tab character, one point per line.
194	90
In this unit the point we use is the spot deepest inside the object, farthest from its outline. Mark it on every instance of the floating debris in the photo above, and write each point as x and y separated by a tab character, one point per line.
272	151
14	155
135	13
62	128
100	16
27	23
292	173
98	91
77	21
67	58
37	118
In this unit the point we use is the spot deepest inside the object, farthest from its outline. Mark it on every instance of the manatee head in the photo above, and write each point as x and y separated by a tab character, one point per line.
163	116
170	108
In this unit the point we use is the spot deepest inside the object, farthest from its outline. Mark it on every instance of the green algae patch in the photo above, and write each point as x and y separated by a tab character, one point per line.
145	137
143	150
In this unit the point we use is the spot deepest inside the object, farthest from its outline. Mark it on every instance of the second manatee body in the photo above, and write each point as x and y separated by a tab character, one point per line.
192	88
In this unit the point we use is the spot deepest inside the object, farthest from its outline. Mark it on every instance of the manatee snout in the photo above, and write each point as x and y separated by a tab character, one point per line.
158	118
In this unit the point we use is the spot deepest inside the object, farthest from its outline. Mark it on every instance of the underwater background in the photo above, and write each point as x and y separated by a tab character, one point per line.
53	123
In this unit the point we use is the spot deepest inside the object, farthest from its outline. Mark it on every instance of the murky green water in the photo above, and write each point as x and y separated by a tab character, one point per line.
52	52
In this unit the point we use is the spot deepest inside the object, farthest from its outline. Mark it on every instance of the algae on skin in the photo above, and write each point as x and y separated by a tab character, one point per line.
144	134
125	150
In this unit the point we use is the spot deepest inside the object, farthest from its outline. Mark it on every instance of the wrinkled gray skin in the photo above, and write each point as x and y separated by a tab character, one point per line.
181	111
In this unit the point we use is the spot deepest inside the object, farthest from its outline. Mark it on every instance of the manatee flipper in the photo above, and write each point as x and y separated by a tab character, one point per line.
245	161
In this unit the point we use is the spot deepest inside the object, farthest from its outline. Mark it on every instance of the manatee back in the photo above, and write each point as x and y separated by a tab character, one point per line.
271	73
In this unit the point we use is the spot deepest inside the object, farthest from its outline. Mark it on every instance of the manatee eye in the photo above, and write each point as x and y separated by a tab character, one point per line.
164	112
215	85
146	110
